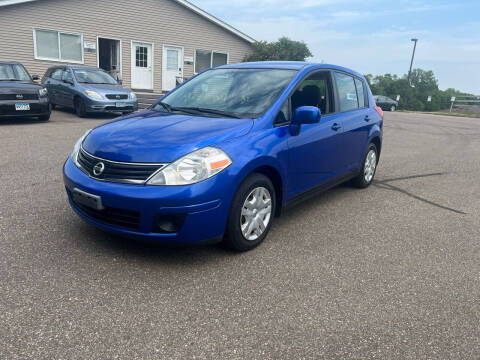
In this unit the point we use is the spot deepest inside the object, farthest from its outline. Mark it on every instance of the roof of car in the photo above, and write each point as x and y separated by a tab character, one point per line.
289	65
75	67
9	62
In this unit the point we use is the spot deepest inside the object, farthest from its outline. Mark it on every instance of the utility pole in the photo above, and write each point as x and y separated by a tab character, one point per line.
411	62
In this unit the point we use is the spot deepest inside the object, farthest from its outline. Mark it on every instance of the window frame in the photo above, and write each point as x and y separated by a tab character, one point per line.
195	72
36	57
365	94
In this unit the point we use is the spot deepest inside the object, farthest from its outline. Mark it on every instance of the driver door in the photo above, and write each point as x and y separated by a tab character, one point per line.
314	152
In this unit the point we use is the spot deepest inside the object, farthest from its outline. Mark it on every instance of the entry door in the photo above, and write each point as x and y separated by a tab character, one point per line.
142	71
172	67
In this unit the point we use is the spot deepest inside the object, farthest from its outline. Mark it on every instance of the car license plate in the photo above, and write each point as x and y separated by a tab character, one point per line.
22	107
87	199
121	104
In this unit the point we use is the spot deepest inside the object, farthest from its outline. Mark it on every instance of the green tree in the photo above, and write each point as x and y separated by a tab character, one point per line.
283	49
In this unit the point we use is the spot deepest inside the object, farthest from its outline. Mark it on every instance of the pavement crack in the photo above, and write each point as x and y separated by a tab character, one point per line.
385	186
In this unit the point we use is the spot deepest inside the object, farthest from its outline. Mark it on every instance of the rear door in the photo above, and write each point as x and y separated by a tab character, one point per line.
50	83
353	106
66	89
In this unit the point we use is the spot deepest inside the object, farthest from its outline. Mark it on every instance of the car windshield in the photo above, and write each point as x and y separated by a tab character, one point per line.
94	76
242	93
13	72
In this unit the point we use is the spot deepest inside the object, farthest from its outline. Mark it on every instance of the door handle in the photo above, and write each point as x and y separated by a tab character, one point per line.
335	127
367	118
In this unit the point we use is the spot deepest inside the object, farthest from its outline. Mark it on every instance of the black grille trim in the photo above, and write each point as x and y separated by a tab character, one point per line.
14	97
117	96
122	218
132	173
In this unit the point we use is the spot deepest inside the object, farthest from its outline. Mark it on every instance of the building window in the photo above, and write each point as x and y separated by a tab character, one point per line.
205	59
55	45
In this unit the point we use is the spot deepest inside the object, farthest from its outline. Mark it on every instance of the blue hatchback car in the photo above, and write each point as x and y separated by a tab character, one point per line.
87	90
221	155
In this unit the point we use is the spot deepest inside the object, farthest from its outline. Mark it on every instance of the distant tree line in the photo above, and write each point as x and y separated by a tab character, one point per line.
413	96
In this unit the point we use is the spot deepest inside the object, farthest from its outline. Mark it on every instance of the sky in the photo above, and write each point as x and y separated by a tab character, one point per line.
370	36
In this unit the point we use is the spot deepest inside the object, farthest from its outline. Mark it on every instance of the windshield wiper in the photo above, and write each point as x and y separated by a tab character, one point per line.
208	111
165	105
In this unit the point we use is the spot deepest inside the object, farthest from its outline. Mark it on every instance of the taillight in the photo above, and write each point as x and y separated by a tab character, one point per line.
379	110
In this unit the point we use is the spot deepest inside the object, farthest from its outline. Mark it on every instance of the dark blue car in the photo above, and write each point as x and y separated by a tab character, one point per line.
88	90
222	154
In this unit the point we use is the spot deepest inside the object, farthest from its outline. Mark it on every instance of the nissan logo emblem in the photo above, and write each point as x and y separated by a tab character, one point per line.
98	168
19	96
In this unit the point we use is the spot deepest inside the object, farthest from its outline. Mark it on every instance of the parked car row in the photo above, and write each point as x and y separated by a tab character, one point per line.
82	88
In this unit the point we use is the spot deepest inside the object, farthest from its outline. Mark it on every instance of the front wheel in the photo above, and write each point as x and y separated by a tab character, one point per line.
80	108
365	178
251	213
393	108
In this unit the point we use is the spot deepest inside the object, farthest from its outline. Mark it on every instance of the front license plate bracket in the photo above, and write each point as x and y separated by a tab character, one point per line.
87	199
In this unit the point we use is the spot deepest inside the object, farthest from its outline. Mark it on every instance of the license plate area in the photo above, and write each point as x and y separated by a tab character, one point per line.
87	199
22	107
121	104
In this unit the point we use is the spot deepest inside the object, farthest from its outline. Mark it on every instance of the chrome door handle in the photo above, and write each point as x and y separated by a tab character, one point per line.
335	127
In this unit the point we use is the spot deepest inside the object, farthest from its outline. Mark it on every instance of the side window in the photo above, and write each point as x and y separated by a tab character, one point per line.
67	75
347	94
360	93
316	91
283	116
57	74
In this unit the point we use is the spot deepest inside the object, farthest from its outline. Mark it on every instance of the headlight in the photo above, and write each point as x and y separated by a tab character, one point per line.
77	146
94	95
133	96
192	168
43	92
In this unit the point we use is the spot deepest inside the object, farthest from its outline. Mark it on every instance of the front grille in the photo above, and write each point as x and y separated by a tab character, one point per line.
117	96
126	219
23	97
134	173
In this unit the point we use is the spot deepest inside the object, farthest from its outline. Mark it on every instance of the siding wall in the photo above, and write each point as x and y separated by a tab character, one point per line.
161	22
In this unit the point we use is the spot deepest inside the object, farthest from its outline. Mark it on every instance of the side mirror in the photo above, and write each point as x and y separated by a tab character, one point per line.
304	115
35	77
68	82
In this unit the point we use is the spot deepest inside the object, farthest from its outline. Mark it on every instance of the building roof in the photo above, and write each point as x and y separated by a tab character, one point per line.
184	3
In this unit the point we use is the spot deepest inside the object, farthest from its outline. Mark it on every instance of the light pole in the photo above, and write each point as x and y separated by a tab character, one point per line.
411	62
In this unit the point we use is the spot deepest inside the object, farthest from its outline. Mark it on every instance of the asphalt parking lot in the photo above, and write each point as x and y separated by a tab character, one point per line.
390	272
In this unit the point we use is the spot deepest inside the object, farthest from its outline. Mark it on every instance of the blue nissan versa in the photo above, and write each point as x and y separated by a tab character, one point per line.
222	154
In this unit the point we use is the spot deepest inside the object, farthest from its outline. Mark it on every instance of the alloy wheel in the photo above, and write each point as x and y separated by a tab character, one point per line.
370	165
256	213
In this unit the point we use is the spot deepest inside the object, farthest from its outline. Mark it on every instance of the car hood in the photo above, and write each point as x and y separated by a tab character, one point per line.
18	87
152	136
106	88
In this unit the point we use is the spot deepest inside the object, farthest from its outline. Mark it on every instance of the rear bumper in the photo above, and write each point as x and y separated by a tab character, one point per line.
203	207
37	108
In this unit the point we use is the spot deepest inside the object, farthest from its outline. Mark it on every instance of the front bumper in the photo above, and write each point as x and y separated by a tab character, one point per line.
37	108
203	206
110	106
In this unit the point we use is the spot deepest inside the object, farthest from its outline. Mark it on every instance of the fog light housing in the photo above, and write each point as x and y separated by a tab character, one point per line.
168	223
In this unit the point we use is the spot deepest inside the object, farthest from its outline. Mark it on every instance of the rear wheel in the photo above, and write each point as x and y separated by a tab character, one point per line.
365	178
80	108
251	213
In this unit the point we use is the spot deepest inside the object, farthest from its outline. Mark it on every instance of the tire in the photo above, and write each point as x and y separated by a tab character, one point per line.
392	108
52	106
366	175
44	117
256	186
80	108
